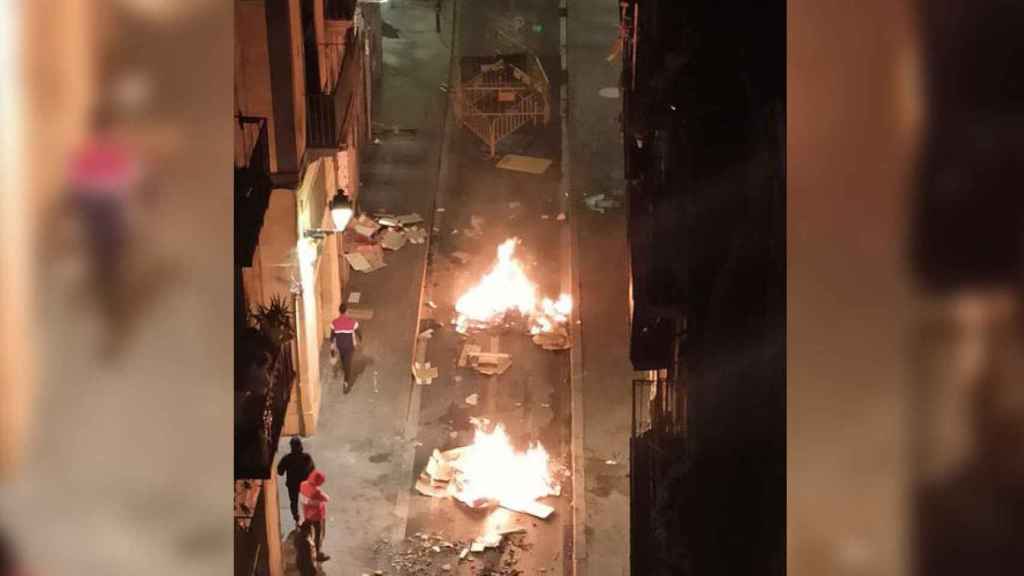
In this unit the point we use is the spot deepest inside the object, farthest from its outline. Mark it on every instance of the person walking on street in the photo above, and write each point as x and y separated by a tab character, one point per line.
345	331
304	549
296	466
314	509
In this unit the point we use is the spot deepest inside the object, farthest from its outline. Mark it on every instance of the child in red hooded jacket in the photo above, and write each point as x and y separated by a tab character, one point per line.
314	508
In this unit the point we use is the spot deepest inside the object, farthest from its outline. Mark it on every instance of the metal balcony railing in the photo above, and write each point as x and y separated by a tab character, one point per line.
252	184
330	108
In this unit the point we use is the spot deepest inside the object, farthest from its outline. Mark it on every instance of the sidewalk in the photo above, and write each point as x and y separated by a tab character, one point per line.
359	444
602	370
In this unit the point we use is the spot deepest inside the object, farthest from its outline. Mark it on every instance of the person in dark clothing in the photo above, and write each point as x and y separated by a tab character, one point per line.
345	331
297	466
304	549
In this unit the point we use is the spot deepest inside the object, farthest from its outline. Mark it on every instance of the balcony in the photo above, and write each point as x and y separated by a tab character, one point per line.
330	107
252	184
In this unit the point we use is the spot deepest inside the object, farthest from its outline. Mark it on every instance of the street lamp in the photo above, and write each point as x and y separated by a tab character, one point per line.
341	215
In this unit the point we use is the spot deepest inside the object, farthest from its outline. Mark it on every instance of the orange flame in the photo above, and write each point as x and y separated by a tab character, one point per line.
491	469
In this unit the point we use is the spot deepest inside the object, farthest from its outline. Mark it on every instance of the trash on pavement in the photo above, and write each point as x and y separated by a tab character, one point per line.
392	239
424	372
600	202
467	351
561	217
358	262
514	205
490	363
473	399
406	219
416	235
557	340
360	313
354	297
529	164
365	226
461	257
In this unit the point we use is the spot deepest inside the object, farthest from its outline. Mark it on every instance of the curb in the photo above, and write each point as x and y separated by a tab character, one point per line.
570	243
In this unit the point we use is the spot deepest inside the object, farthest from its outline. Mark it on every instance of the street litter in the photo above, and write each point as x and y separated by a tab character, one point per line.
561	217
365	226
406	219
431	304
438	209
555	340
392	239
529	164
366	258
514	205
545	216
387	220
467	351
600	202
358	262
427	333
610	462
462	257
354	297
424	373
360	313
416	235
490	363
473	399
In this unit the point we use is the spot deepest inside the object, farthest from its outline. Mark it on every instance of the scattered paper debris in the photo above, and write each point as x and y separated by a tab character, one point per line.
561	217
431	304
424	373
529	164
490	363
477	547
392	239
610	462
545	216
406	219
365	226
354	297
360	313
557	340
473	399
600	202
429	333
462	257
467	351
464	553
416	235
514	205
358	262
439	210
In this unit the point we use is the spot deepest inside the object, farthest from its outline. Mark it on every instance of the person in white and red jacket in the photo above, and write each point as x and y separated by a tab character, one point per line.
314	509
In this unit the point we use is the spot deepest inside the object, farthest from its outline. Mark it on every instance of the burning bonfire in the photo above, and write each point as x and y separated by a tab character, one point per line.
506	288
490	472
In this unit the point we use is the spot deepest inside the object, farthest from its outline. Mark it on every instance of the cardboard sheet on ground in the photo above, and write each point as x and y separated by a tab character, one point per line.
407	219
529	164
558	340
365	226
392	239
360	313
